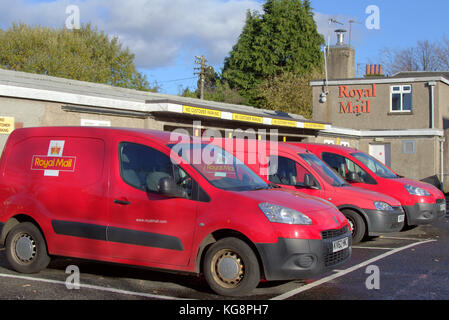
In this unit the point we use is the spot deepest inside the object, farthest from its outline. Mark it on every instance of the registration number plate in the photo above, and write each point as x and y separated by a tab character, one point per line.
341	244
401	218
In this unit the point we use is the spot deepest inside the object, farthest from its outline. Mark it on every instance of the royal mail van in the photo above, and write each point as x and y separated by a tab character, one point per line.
422	202
154	199
369	213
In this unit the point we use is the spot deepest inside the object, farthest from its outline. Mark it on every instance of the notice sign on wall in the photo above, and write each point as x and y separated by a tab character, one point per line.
6	125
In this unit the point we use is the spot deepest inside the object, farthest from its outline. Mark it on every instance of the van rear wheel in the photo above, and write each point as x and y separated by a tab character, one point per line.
26	250
231	268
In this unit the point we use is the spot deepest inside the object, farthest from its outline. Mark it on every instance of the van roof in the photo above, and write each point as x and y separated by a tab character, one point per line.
285	146
162	137
327	146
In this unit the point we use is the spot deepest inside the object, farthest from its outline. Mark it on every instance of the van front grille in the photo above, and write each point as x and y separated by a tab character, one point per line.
333	233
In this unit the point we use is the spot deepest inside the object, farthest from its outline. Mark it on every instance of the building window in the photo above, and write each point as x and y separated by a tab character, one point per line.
401	98
409	147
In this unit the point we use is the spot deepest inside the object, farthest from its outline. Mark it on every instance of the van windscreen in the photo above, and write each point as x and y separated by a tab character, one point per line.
323	170
219	167
375	166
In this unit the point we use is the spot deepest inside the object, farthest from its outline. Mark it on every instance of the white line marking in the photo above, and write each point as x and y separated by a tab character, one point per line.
344	272
375	248
93	287
399	238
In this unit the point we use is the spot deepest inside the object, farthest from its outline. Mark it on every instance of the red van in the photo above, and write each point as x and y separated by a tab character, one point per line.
369	213
423	203
149	198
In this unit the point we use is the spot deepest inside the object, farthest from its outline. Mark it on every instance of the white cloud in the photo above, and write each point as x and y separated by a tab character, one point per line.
157	31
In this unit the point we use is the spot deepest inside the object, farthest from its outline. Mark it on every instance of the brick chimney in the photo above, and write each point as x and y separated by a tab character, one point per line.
374	70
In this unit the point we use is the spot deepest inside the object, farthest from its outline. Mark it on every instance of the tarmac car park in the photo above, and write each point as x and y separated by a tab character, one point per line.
412	265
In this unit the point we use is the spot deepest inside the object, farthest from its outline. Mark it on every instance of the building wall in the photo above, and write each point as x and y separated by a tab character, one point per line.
423	163
367	106
26	113
32	113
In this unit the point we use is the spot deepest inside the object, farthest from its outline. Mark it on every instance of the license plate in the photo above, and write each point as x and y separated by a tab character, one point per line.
401	218
341	244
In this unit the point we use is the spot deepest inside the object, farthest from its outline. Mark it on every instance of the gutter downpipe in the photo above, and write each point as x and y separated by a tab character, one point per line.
432	103
442	162
432	85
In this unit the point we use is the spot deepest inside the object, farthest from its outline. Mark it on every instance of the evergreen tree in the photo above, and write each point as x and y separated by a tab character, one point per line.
284	38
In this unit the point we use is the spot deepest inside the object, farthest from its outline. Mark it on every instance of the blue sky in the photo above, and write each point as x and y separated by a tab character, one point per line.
165	35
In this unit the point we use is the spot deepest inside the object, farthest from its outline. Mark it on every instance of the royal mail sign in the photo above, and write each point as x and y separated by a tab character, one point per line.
356	100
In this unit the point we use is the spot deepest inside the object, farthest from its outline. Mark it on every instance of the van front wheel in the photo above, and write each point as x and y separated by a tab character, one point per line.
26	250
231	268
358	226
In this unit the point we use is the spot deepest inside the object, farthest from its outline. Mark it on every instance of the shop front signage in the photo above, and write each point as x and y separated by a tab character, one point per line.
354	100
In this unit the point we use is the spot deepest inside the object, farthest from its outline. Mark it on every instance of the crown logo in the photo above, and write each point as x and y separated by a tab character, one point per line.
55	150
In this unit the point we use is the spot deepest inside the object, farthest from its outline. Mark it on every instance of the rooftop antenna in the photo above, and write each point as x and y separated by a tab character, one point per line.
331	21
350	29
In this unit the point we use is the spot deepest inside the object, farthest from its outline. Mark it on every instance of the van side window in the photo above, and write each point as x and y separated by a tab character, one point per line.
344	167
142	167
286	171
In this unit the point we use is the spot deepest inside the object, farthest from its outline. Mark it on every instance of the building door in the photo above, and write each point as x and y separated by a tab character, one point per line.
381	152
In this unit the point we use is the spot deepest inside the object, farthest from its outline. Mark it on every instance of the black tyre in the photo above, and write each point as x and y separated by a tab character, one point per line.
357	223
26	250
231	268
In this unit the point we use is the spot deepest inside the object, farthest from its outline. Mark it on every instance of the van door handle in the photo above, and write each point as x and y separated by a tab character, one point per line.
122	202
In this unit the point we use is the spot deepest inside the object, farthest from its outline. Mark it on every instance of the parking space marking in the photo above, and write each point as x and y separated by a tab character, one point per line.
374	248
93	287
346	271
403	238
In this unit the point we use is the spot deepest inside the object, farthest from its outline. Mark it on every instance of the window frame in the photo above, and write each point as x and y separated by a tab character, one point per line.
198	193
401	92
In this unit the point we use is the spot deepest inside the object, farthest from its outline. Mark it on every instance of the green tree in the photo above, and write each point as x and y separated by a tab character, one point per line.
84	54
284	38
288	92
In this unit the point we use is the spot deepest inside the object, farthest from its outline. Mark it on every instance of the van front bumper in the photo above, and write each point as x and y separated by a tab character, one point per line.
291	259
380	221
424	213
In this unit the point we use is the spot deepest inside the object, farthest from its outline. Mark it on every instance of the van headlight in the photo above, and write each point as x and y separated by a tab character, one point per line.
382	206
280	214
416	191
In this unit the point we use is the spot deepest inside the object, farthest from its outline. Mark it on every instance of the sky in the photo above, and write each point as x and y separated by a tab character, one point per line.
166	35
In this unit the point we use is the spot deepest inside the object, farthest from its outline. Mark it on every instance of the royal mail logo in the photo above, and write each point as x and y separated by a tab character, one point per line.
54	161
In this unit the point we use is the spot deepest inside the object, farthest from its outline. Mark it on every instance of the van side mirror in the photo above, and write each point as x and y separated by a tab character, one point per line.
353	177
168	187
